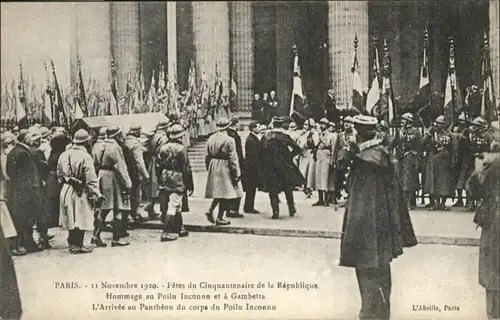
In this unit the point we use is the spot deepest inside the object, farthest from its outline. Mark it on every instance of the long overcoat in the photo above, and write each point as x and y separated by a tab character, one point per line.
25	194
113	177
157	141
10	299
239	148
252	168
308	141
439	177
486	185
466	159
377	224
6	223
223	168
76	211
410	153
279	173
326	156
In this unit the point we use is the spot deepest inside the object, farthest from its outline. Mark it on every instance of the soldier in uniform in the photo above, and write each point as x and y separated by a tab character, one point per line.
465	158
307	142
343	161
98	146
224	173
232	131
440	164
115	185
156	142
75	169
326	161
480	143
278	170
409	151
375	228
175	178
138	172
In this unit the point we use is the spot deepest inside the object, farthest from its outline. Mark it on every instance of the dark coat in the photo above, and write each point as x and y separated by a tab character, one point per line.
332	114
26	196
439	171
487	217
239	149
10	300
257	110
252	165
377	224
409	150
279	172
465	159
270	110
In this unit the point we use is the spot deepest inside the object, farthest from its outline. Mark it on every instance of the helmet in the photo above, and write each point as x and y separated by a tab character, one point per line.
324	121
135	128
113	131
102	132
461	117
440	119
407	116
480	122
81	136
175	131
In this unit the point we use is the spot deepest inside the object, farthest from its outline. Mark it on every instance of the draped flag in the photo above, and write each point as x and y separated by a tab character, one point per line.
82	98
191	82
58	100
357	85
297	101
387	109
488	110
48	112
21	114
423	98
234	88
373	96
113	92
151	96
218	84
6	105
452	97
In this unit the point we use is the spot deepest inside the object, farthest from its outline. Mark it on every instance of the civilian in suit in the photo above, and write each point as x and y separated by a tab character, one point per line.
331	112
232	131
257	109
272	108
251	178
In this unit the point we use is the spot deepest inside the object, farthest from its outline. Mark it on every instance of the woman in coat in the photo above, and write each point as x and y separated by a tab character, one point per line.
485	183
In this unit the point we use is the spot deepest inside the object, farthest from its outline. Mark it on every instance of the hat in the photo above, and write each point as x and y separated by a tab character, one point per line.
15	129
440	119
480	122
113	131
324	121
37	125
364	120
162	125
332	124
348	119
135	128
102	132
45	132
175	131
7	137
147	134
234	120
461	117
222	124
278	120
81	136
292	125
407	116
33	133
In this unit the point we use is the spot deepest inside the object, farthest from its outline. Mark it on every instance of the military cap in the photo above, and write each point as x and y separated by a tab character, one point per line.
364	120
332	124
135	128
324	121
480	122
348	119
461	117
223	123
292	125
408	116
81	136
175	131
113	131
278	120
162	125
15	129
440	119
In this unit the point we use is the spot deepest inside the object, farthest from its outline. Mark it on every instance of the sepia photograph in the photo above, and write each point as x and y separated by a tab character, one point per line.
274	160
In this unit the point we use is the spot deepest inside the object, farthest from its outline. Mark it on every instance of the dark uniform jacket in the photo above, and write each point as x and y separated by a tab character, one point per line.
173	168
239	150
252	165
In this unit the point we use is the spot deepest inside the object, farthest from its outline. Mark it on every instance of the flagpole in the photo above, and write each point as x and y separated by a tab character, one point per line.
452	82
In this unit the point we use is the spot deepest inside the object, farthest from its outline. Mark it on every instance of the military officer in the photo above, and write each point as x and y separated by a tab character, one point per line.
345	137
138	172
99	146
174	177
307	166
326	161
115	185
409	151
440	163
464	157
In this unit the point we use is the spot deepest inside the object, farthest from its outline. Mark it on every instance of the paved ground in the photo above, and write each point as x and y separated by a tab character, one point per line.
424	275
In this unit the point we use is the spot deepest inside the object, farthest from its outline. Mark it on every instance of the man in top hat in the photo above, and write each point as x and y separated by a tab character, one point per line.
156	142
440	164
224	173
75	170
465	158
232	131
175	178
44	142
25	193
115	185
409	151
252	168
279	173
375	227
137	171
326	161
99	146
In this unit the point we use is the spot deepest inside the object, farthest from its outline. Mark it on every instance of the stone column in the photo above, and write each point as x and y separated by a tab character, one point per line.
211	40
286	17
125	41
171	67
345	19
495	45
243	52
92	30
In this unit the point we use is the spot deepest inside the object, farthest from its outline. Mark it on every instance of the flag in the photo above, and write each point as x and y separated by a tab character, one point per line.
82	98
488	110
357	85
387	110
233	93
58	100
297	101
452	97
151	96
6	109
423	97
21	114
112	96
373	96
